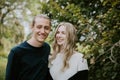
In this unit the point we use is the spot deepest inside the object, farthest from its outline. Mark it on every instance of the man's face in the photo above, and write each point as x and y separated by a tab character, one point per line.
41	29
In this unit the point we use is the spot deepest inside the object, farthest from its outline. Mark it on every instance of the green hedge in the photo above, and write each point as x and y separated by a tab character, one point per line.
3	62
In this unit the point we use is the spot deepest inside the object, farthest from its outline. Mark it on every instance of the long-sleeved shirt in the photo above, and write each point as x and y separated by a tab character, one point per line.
26	62
78	68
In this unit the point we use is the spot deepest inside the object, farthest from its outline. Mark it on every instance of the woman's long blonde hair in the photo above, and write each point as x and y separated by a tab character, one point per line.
69	45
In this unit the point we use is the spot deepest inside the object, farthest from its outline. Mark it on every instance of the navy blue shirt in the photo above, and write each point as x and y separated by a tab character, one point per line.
26	62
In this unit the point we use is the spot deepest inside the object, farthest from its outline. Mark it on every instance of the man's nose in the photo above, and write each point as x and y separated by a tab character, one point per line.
42	30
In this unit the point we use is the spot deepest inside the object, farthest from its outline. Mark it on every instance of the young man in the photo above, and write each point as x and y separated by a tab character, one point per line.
29	60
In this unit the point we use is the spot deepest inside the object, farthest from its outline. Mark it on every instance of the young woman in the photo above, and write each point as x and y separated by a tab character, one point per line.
65	62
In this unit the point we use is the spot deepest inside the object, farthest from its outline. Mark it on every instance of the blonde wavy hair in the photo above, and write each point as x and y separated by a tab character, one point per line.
69	46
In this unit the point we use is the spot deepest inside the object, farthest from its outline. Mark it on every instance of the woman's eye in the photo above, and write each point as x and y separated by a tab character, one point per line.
57	32
63	32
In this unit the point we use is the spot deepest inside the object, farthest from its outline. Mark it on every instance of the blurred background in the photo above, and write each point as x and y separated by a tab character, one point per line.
97	23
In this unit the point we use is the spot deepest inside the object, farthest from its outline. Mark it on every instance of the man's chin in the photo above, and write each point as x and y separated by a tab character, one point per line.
41	40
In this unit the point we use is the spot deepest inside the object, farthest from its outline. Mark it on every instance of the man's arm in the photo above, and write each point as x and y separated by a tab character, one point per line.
49	77
8	75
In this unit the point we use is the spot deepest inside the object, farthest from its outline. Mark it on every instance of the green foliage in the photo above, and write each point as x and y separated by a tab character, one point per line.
34	6
11	29
3	62
97	23
98	27
3	54
106	65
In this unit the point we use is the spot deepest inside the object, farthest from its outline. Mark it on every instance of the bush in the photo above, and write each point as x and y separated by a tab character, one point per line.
107	65
3	62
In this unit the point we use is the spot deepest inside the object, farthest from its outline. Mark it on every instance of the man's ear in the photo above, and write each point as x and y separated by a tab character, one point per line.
31	27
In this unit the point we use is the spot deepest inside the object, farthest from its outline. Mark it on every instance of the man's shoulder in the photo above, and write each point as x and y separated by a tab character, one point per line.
15	50
18	47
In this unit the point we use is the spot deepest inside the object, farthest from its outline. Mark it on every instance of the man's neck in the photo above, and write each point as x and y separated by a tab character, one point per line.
35	43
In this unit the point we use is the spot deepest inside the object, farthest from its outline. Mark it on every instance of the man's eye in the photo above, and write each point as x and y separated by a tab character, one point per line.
39	27
47	28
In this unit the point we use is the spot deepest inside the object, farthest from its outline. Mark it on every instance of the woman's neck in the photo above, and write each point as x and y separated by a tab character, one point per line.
61	49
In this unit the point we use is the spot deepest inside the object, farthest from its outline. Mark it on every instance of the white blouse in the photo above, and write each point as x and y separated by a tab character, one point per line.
76	63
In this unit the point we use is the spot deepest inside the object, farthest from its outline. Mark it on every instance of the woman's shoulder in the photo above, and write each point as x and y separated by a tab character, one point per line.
82	62
78	54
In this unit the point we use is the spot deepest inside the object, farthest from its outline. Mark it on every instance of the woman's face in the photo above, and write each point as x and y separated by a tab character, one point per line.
61	36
